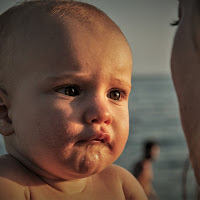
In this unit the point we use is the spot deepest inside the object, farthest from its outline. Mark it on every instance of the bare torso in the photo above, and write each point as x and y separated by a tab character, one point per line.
18	183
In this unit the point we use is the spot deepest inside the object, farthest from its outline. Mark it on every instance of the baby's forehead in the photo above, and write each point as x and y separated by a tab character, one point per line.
28	17
44	33
30	11
23	23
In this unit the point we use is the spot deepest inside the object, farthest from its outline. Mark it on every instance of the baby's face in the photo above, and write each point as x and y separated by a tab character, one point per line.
69	108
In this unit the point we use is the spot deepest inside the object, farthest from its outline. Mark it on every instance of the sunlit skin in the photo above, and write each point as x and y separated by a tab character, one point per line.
185	64
68	104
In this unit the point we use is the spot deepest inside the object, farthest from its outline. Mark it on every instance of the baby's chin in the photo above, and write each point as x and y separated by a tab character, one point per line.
89	159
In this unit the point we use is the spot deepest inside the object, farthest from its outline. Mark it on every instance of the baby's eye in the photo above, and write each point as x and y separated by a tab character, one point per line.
69	90
115	95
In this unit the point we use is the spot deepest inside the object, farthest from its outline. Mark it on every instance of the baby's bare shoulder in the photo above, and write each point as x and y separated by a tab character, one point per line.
130	186
112	172
12	179
118	173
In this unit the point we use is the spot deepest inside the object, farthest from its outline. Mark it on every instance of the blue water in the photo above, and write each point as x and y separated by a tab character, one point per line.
154	115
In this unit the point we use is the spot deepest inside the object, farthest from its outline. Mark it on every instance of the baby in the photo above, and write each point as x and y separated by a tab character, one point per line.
65	79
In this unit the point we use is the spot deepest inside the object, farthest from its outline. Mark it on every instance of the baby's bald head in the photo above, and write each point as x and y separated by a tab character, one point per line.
19	24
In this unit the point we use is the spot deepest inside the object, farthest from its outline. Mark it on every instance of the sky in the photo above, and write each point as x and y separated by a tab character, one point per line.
146	25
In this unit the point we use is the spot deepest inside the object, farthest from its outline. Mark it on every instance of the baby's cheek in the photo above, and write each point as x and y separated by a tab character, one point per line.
121	122
121	131
58	128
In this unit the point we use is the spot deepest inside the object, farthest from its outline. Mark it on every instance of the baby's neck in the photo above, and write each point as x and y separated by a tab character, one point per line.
65	186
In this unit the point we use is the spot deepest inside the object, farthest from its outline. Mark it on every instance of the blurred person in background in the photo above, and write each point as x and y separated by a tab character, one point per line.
143	171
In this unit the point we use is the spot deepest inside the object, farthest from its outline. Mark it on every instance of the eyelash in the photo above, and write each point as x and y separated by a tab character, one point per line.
176	22
63	90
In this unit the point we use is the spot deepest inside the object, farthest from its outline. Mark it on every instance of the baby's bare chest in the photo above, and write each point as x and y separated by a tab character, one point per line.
45	194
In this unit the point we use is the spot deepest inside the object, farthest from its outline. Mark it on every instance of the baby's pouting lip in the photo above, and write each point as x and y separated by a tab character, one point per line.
96	138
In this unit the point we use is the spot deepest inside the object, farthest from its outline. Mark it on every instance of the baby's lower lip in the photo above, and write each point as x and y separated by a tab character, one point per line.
93	142
90	142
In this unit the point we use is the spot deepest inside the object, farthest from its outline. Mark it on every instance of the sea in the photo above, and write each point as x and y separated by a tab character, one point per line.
154	115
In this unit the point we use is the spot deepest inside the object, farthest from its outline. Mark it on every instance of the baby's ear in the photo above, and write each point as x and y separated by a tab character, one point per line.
6	127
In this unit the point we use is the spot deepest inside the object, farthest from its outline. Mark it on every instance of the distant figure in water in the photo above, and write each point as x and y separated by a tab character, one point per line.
142	170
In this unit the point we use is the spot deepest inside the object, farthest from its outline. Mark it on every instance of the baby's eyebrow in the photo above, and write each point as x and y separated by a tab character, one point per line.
64	76
123	82
82	77
51	80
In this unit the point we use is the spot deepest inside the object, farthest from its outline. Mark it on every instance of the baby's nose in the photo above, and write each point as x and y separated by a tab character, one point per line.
98	112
